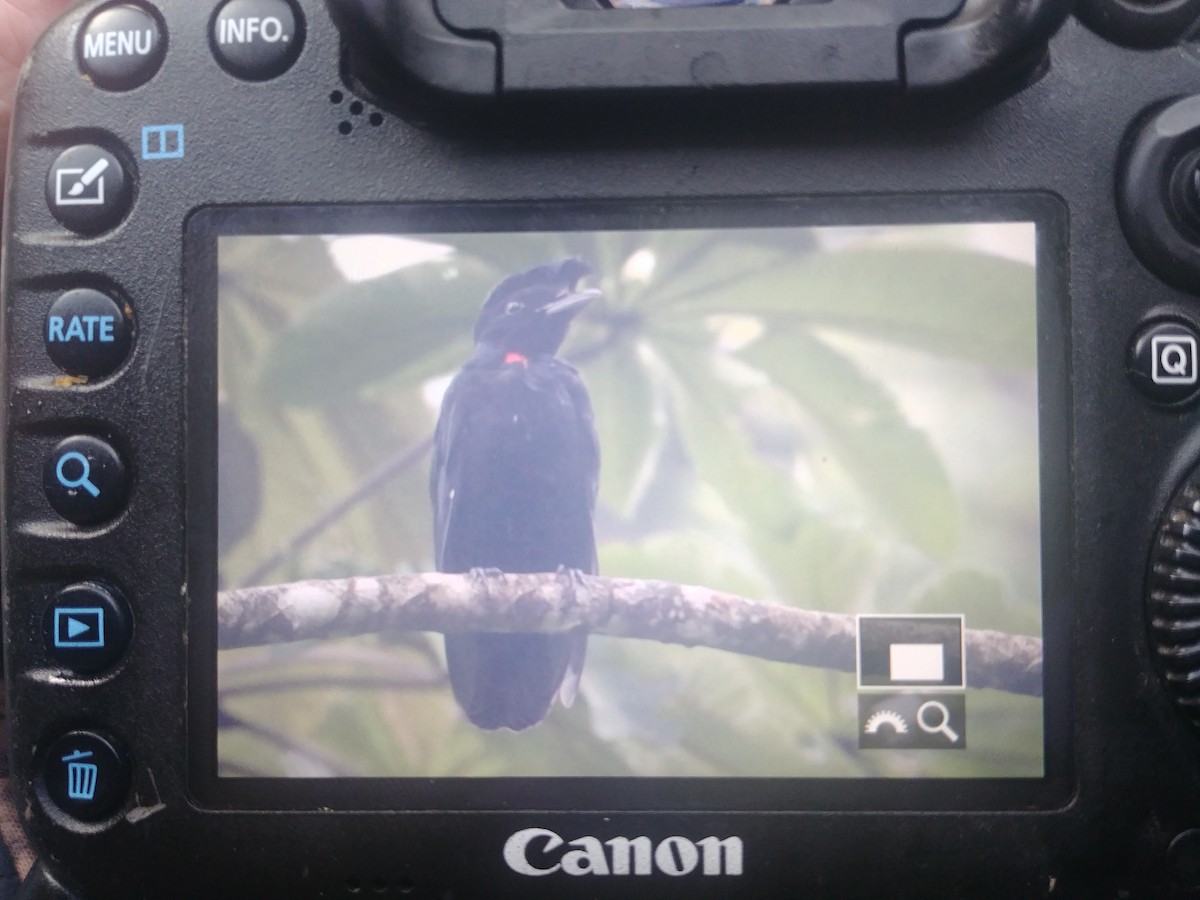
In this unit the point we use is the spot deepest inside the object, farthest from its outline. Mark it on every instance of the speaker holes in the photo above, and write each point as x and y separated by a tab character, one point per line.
351	111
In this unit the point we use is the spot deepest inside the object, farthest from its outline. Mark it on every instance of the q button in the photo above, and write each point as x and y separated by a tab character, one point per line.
85	480
1163	361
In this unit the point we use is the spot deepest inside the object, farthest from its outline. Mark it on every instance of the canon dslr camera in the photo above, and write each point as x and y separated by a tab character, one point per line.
552	448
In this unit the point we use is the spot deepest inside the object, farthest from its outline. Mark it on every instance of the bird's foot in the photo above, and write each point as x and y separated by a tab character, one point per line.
483	574
482	579
573	580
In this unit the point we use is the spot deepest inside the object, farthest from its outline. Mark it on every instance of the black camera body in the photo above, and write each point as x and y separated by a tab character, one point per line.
232	227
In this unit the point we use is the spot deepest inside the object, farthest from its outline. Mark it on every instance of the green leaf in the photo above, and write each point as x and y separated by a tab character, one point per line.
707	409
949	302
415	322
631	436
370	434
824	566
982	598
686	556
298	268
704	266
893	462
506	254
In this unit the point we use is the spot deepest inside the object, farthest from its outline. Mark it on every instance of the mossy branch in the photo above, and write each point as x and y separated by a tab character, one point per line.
555	602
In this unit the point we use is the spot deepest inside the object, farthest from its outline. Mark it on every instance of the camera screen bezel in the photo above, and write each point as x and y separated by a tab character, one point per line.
201	233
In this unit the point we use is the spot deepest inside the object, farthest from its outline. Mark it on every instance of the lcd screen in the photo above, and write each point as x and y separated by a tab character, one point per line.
802	460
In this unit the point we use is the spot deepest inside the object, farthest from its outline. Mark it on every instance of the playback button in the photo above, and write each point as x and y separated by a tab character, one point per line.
85	776
86	627
85	480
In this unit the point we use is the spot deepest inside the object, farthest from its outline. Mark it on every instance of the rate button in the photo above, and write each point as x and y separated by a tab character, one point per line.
88	333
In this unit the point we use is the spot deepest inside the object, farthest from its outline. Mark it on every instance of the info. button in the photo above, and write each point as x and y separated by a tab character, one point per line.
85	480
257	39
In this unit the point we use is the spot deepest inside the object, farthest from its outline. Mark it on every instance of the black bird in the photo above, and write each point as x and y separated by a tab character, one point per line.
515	469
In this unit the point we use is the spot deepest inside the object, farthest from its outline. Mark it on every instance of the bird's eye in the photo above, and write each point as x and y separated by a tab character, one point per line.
514	307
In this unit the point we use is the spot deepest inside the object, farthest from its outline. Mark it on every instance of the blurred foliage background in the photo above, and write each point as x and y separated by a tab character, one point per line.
842	419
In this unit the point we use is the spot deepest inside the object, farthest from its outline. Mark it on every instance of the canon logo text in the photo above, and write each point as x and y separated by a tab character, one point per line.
539	851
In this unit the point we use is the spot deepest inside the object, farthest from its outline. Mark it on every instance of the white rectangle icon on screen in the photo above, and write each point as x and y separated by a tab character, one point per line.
917	662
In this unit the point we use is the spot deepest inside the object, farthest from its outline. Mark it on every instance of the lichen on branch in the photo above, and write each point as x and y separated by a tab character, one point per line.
555	602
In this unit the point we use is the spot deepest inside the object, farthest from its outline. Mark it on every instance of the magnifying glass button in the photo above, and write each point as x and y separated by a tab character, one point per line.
85	480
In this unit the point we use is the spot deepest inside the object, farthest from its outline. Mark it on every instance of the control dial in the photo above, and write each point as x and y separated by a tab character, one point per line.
1173	596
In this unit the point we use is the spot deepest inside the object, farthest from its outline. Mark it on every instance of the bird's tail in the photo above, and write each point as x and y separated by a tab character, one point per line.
511	680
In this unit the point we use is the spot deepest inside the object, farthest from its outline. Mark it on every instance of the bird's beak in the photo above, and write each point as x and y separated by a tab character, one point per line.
572	304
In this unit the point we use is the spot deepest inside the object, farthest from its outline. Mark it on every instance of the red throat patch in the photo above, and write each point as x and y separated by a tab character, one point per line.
516	358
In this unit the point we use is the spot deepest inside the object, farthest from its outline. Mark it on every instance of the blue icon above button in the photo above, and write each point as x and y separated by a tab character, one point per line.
162	142
86	627
85	776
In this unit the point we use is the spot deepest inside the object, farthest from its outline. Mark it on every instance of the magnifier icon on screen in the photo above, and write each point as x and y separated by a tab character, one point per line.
941	725
85	473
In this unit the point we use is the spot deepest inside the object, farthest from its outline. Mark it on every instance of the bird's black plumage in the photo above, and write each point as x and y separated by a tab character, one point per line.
513	485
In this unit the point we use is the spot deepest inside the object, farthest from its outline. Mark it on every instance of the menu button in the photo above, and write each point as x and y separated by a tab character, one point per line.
121	46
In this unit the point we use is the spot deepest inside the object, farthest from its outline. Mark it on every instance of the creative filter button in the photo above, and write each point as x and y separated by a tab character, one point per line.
88	190
88	333
85	480
121	46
